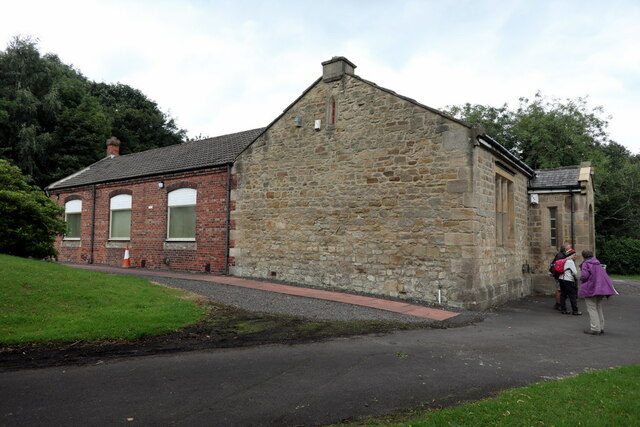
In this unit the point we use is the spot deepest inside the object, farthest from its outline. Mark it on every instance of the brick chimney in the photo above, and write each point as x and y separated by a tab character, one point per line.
336	67
113	147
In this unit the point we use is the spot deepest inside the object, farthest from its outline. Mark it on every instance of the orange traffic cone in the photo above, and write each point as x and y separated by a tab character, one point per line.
126	262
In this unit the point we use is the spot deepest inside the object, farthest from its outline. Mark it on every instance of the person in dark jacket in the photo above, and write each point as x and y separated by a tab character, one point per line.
569	284
560	255
596	285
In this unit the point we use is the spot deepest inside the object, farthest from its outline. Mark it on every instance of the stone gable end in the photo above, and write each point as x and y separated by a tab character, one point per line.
381	201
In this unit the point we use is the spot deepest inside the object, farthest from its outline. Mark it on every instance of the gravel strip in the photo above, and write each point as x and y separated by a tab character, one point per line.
256	300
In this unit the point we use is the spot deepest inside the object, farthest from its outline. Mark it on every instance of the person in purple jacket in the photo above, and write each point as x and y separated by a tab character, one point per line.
596	284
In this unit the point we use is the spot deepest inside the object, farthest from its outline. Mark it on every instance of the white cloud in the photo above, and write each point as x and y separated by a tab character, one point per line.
222	67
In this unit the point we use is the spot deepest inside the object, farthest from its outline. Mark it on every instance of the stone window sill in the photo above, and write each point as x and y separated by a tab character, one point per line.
119	244
180	245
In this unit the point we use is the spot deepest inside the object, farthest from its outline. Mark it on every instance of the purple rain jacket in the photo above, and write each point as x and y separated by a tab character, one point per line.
595	280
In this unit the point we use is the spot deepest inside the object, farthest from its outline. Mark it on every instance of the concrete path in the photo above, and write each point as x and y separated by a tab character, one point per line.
312	384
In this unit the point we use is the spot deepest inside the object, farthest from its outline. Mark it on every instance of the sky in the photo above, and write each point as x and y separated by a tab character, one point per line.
219	67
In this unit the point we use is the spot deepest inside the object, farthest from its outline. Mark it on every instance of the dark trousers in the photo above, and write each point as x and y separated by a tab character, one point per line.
568	289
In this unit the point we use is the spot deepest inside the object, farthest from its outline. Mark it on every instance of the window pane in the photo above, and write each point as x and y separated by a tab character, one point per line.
73	225
121	224
182	197
182	222
73	206
553	226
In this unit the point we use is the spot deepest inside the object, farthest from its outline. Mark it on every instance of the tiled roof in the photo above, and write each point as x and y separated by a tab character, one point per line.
555	178
190	155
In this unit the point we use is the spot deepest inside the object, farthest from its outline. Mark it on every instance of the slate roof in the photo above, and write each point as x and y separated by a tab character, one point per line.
547	179
190	155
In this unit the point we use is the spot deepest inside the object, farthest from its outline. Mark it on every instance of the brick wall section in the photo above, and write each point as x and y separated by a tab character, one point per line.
149	224
382	202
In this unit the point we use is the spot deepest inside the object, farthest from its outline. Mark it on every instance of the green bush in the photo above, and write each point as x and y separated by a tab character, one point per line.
29	220
621	255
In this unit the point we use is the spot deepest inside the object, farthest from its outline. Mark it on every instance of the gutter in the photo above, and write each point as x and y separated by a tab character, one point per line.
554	190
490	143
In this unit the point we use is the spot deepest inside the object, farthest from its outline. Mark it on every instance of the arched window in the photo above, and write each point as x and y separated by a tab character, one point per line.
182	214
73	216
120	217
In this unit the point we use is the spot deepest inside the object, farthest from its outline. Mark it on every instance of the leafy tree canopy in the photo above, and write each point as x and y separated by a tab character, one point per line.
29	220
54	121
545	133
550	133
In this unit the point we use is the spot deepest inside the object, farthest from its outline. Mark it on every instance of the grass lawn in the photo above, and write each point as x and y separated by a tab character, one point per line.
47	302
44	302
599	398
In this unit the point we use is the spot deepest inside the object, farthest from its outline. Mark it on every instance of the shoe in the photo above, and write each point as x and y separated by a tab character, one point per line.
590	332
565	312
557	307
577	313
602	332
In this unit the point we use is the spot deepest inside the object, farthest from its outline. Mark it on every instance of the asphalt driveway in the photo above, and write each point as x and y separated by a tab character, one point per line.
310	384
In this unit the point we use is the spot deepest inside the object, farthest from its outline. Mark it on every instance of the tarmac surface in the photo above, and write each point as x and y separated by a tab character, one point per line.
521	343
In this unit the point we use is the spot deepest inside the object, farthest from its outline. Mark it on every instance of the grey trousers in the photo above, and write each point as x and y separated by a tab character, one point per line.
594	308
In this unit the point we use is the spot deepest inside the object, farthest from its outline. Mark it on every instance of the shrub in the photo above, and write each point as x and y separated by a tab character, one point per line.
621	255
29	220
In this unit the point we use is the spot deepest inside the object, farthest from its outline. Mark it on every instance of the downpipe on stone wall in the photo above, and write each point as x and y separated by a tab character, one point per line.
573	214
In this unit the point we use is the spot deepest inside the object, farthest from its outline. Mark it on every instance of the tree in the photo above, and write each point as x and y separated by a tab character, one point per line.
545	133
54	121
29	220
618	192
135	119
550	133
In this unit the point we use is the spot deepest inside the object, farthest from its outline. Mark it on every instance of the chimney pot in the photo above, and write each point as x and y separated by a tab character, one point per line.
113	147
335	68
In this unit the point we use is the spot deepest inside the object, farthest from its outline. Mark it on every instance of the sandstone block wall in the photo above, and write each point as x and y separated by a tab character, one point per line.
383	202
576	229
501	270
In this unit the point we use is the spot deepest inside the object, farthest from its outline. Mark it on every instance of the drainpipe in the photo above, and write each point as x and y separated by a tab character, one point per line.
93	222
573	226
228	222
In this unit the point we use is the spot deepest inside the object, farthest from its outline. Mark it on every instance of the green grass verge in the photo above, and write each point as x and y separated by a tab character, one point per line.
620	276
599	398
47	302
44	302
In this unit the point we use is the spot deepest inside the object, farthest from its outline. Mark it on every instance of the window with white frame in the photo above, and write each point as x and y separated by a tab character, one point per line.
182	214
120	217
73	216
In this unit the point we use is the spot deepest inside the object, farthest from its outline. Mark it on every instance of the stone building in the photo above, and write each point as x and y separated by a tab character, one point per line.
561	212
353	187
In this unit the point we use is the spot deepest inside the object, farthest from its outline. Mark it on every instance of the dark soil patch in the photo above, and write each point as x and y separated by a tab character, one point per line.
224	327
